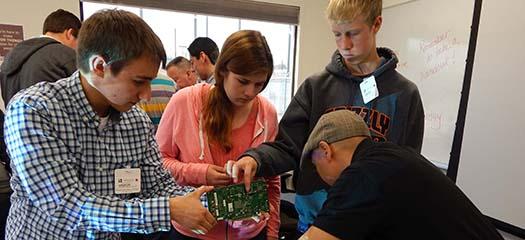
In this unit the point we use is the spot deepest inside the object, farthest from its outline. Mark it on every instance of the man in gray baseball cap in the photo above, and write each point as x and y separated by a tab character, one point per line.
334	127
383	191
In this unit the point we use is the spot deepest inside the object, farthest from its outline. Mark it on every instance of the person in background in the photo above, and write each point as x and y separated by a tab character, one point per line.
360	77
46	58
180	70
85	161
206	125
380	190
203	56
162	87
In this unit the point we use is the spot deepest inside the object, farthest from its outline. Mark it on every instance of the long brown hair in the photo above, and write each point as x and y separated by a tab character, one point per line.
245	53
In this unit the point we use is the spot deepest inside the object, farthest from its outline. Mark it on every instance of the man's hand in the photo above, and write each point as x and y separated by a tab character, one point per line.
189	212
245	168
216	176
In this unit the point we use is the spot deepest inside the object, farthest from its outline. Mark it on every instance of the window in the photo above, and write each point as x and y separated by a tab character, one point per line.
178	29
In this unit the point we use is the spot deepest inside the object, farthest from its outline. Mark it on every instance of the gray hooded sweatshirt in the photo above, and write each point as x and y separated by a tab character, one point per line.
35	60
396	115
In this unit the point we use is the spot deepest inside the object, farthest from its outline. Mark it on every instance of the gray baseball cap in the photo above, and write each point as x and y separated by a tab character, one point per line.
332	127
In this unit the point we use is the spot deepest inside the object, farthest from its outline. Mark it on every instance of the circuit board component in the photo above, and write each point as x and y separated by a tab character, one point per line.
234	203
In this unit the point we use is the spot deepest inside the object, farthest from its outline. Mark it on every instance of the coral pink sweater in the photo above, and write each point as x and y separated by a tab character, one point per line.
186	154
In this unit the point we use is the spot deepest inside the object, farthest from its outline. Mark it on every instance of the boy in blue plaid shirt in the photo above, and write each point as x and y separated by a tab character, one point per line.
84	158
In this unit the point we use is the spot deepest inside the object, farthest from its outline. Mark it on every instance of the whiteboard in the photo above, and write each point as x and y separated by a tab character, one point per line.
430	38
492	166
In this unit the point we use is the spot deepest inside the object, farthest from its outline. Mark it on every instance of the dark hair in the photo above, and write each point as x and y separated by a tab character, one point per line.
244	52
206	45
61	20
119	37
179	62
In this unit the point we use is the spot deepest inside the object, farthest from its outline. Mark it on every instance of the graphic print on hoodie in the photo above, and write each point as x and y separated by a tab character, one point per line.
396	115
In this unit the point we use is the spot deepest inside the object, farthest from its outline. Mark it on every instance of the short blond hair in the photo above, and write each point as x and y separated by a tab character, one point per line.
344	11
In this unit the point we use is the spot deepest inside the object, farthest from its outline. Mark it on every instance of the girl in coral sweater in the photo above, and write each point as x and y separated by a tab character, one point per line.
204	126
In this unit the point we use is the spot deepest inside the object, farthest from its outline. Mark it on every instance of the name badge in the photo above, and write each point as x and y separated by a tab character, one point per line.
369	89
127	180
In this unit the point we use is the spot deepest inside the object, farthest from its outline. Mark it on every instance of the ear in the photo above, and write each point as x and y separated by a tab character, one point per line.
326	150
377	24
97	65
69	34
203	57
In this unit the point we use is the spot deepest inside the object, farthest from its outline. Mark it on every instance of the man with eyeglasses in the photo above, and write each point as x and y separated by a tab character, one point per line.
379	190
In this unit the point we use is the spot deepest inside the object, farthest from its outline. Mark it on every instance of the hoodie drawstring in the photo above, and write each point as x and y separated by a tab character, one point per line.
201	138
265	131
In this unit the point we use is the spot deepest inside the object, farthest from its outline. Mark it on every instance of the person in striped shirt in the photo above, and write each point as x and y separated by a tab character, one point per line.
162	87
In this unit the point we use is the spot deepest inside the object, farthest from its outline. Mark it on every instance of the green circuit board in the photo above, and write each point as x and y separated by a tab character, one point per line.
234	203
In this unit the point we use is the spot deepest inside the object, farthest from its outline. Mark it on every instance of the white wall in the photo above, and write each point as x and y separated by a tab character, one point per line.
31	13
491	166
391	3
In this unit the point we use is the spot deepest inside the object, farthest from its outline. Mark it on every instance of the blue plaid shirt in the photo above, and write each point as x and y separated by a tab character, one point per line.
63	168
